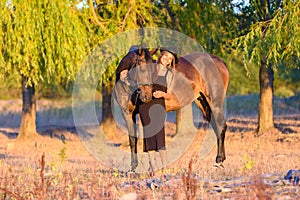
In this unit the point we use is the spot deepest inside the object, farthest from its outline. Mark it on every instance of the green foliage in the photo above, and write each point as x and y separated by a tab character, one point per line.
242	81
269	34
117	17
47	41
287	81
212	23
44	41
283	91
273	37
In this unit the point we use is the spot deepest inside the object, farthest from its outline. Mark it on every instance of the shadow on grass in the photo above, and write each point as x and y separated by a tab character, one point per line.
9	134
55	119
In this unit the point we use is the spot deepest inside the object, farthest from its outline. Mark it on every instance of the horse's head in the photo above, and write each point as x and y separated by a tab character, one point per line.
139	63
144	74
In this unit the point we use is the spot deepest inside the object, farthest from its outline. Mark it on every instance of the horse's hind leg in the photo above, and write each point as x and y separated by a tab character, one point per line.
215	117
221	146
204	107
219	125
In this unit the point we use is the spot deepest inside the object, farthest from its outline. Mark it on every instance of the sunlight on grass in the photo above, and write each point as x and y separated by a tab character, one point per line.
254	166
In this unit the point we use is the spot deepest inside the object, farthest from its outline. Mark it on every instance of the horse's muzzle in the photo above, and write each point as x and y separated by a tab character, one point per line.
146	99
145	93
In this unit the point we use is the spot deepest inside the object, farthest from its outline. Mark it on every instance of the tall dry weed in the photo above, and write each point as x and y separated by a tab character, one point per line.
190	183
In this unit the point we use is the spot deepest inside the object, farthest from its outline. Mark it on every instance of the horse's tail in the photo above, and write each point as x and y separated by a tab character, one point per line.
206	107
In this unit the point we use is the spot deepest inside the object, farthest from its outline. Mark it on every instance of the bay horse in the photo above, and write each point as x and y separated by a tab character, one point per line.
126	93
200	77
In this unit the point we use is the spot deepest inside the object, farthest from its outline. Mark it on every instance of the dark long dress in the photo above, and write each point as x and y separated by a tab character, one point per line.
153	116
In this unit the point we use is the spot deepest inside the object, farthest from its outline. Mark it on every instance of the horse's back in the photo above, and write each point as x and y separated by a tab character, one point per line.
223	70
186	67
195	66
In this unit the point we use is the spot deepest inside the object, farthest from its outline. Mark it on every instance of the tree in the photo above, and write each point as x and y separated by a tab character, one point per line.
117	16
211	23
44	41
272	40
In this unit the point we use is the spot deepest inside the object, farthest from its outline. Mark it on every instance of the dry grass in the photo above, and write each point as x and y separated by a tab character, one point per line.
37	170
46	168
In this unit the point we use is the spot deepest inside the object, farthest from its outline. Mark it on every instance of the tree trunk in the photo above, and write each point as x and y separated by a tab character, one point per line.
173	19
28	121
108	124
265	115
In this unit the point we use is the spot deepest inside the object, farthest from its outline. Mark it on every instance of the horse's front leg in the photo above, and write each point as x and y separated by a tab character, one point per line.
133	148
132	133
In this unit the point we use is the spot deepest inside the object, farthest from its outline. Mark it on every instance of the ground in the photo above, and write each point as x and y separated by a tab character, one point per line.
56	164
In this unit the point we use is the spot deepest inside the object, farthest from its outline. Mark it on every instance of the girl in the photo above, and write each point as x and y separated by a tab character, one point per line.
153	113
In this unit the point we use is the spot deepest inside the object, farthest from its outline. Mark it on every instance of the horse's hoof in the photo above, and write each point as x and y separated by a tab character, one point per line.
151	171
133	168
219	165
150	174
220	159
131	171
132	174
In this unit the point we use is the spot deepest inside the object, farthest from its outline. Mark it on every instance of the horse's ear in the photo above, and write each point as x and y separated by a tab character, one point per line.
153	51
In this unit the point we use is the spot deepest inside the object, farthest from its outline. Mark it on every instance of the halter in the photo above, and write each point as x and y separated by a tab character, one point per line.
138	60
138	73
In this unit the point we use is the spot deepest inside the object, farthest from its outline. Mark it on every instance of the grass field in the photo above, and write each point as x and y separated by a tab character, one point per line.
48	168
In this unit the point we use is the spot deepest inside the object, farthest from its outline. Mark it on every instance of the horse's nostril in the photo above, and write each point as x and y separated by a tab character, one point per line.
148	98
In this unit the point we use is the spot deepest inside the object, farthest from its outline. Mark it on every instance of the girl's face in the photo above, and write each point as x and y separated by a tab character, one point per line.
166	58
123	74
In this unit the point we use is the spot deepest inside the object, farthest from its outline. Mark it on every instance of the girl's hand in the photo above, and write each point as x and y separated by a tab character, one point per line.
159	94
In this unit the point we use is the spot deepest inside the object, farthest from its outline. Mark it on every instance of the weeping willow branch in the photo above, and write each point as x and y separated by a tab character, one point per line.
95	18
124	20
